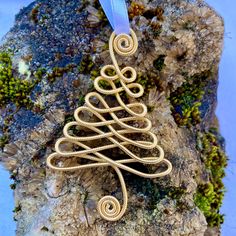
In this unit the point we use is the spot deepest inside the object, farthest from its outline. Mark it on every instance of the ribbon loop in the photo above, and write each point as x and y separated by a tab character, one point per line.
117	14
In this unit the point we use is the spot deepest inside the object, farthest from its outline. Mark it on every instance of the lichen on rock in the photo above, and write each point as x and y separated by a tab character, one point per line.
61	45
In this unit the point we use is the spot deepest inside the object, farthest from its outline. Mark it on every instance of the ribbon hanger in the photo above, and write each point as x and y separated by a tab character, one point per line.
117	14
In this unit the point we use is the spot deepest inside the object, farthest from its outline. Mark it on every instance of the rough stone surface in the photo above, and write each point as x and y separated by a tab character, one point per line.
62	32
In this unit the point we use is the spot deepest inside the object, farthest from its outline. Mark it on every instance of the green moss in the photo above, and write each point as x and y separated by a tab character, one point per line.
145	188
3	140
17	209
42	173
13	186
13	89
94	74
59	72
81	101
177	193
186	100
102	16
103	84
69	118
86	65
40	73
208	201
159	62
148	82
209	196
105	47
154	192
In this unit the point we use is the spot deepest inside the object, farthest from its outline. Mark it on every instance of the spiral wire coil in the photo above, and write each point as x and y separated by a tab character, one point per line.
108	206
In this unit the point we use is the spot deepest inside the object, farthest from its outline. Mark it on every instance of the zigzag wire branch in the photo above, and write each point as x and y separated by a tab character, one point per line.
108	206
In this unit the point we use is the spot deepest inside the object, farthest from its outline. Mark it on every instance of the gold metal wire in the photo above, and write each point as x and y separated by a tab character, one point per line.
108	206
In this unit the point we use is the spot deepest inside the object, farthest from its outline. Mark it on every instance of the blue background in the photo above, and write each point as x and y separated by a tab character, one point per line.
226	112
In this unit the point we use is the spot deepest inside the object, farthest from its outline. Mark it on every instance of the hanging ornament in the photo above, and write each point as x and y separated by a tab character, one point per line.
116	131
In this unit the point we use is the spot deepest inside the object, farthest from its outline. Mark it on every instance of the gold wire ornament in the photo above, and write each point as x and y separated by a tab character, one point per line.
108	206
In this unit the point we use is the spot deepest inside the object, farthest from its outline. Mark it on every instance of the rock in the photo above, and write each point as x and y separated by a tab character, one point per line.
63	44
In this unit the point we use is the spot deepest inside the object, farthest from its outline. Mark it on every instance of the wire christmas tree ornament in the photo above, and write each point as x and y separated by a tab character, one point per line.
119	130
